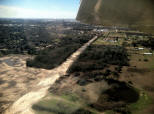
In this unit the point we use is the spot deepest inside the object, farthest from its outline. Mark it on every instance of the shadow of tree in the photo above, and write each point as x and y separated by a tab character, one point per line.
119	95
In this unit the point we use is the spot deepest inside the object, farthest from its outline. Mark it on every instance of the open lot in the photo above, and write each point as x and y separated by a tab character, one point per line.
16	79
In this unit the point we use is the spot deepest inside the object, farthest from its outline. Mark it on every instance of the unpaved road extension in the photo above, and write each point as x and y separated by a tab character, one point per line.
23	105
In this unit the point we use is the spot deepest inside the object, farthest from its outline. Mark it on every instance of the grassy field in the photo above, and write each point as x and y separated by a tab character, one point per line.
55	104
61	104
101	81
143	102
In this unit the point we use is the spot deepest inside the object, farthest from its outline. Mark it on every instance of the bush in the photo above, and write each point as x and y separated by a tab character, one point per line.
146	60
118	69
82	82
107	72
1	54
115	74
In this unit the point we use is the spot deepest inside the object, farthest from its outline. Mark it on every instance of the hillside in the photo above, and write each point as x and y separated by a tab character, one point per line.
131	13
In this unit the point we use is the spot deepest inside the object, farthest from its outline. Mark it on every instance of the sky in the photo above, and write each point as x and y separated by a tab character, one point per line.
54	9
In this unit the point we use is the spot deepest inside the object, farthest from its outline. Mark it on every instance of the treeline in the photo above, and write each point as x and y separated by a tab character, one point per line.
52	57
98	57
24	39
94	64
13	40
149	43
19	36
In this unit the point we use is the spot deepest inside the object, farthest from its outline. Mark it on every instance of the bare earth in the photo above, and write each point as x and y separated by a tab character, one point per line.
16	80
31	84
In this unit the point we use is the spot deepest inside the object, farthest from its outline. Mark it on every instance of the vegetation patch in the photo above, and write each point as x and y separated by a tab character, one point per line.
117	97
2	81
146	42
98	57
52	57
144	101
103	63
70	97
65	104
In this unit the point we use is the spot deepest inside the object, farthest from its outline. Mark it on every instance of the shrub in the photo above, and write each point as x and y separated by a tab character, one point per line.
115	74
82	82
118	69
146	60
107	72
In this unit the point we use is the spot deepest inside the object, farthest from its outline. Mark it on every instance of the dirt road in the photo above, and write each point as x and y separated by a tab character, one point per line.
23	105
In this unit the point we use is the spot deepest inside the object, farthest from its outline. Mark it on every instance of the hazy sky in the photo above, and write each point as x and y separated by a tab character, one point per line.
39	8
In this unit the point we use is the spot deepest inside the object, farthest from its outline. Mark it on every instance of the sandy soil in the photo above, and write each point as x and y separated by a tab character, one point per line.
16	79
33	89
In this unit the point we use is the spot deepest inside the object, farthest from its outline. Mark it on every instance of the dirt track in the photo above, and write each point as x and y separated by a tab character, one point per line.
23	104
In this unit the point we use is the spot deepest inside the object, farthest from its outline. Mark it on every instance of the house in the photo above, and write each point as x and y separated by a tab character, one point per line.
147	53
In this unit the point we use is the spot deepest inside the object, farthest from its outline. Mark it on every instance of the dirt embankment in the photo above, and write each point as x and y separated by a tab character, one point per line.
39	90
16	79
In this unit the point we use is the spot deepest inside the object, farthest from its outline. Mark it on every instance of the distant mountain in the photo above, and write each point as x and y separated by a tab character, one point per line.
137	14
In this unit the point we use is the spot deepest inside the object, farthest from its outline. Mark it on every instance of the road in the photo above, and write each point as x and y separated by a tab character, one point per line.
23	105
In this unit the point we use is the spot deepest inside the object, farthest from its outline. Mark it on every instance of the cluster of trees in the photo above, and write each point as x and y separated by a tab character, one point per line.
13	40
98	57
16	39
135	34
149	43
52	57
36	38
19	36
95	61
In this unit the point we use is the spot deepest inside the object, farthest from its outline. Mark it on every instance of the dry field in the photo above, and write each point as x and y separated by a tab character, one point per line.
141	75
16	79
